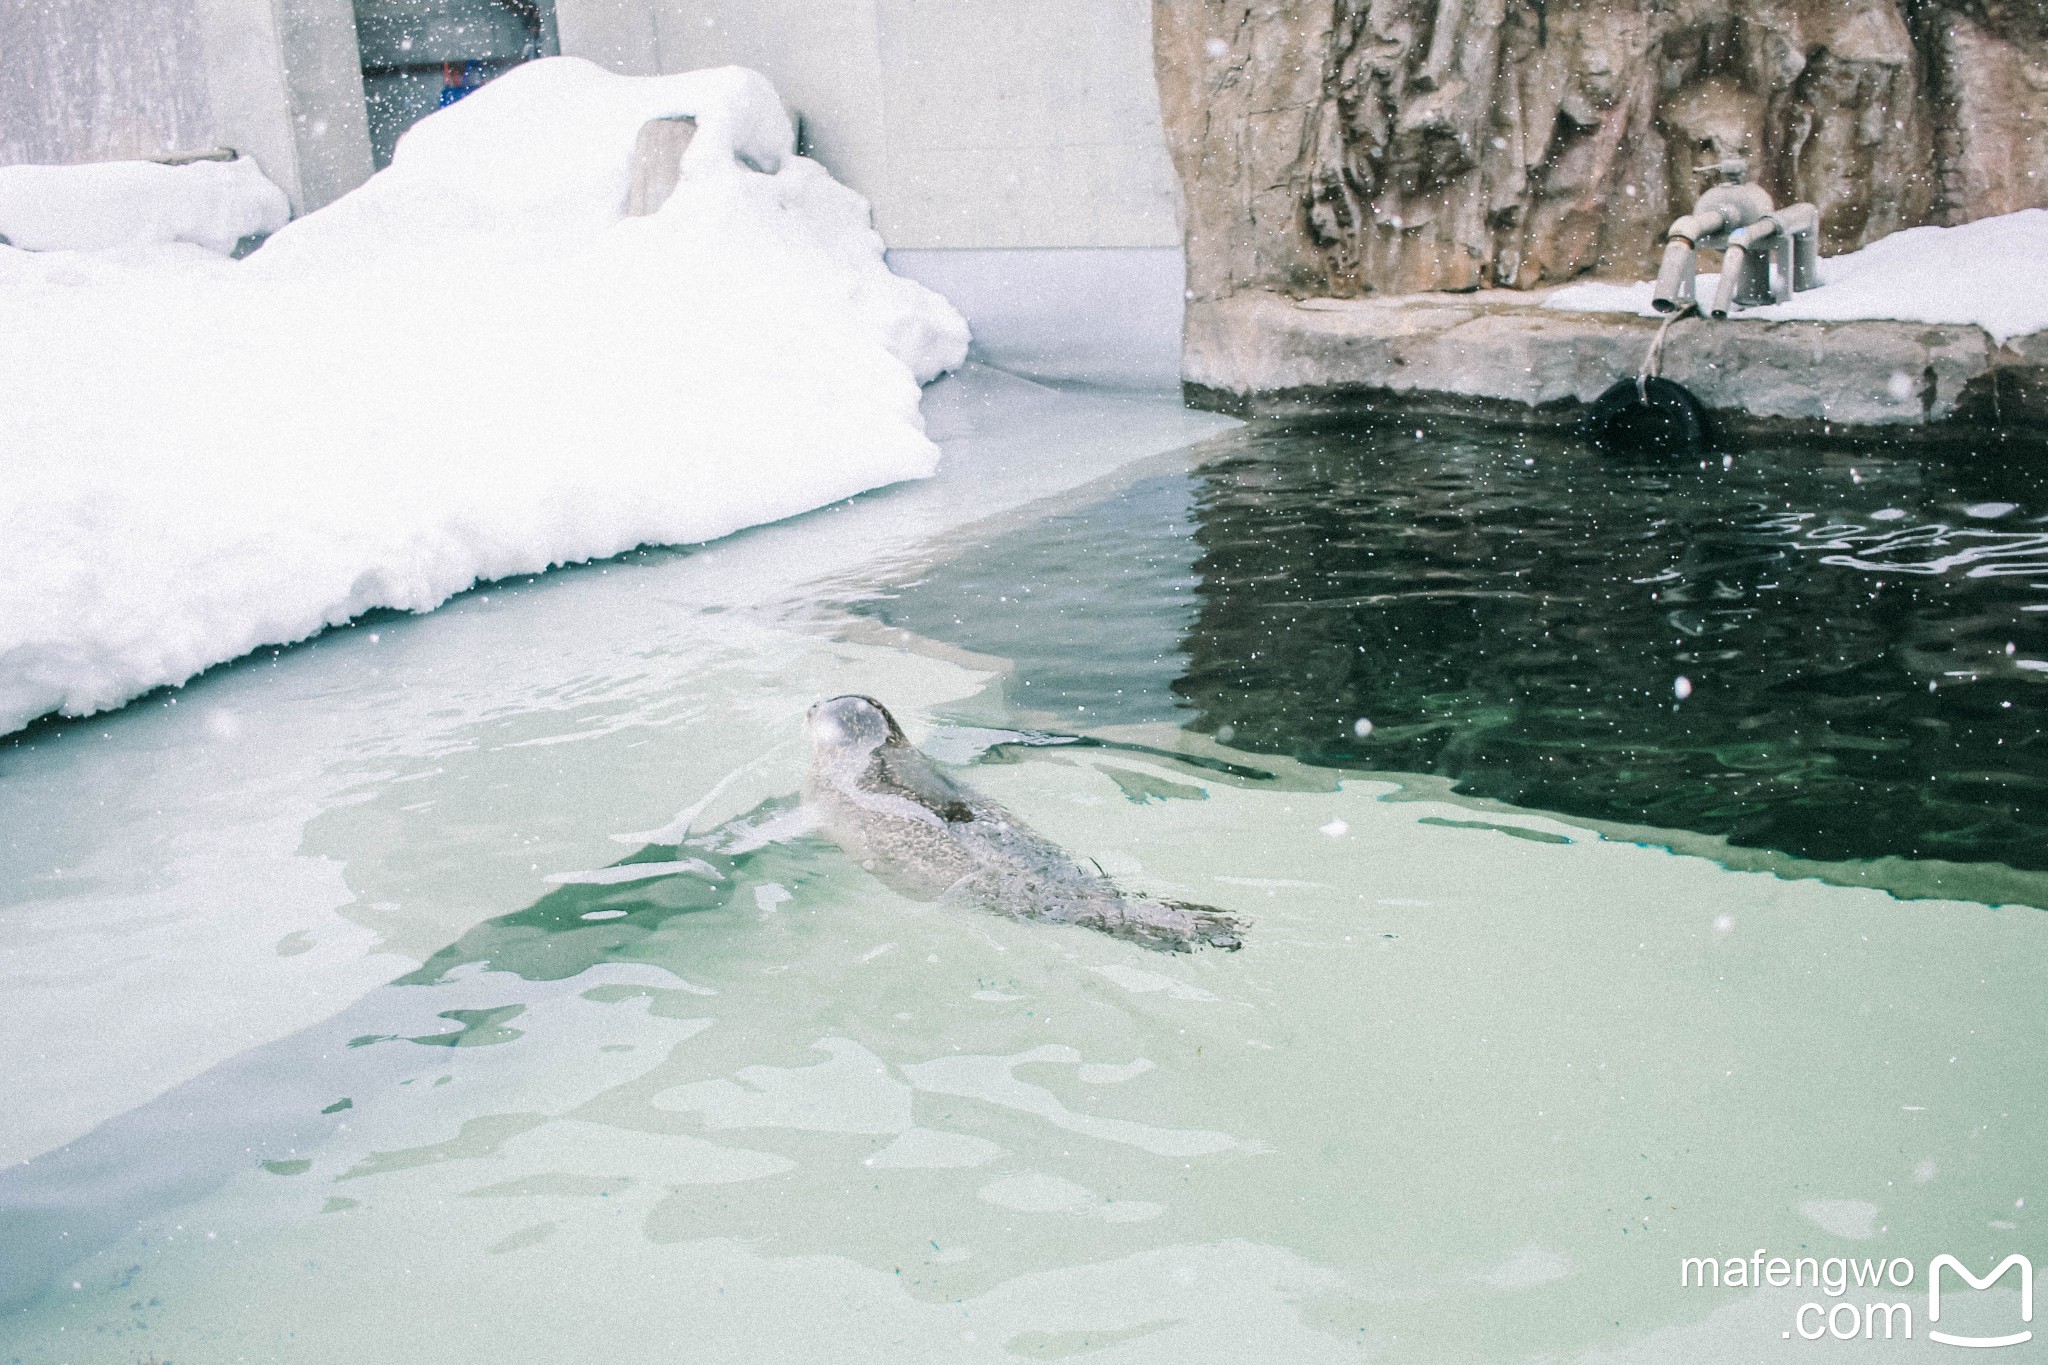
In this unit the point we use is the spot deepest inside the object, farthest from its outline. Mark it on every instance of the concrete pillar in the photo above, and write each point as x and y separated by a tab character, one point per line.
286	88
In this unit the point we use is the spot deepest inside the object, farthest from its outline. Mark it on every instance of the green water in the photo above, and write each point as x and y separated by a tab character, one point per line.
1489	1067
1862	637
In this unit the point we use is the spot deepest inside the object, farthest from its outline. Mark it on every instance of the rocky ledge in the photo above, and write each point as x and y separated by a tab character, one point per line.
1500	354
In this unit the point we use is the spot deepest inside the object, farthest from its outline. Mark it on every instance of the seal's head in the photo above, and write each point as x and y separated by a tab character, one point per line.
851	725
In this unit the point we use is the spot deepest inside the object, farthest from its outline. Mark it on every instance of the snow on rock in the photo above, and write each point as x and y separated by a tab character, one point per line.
111	204
1992	273
473	366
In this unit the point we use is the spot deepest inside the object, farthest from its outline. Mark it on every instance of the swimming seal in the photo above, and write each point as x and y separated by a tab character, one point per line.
927	836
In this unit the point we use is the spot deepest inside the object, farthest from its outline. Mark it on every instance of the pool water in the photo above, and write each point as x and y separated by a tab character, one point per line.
1834	655
373	1001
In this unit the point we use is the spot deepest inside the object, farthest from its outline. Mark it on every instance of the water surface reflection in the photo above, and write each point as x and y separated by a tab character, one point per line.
1839	656
1830	654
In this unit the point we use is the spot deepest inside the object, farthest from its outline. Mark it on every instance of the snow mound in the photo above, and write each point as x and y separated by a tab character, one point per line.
113	204
473	366
1992	273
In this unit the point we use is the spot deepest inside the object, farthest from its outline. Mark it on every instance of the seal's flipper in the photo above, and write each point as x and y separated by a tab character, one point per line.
1179	927
1217	928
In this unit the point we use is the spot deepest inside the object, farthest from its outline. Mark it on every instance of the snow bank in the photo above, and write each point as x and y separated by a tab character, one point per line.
113	204
1993	273
471	367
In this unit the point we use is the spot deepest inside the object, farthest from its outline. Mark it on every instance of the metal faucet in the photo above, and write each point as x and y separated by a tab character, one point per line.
1738	218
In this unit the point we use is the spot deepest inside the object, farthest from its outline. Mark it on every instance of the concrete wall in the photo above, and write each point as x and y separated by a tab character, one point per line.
1107	316
823	55
1012	149
1024	123
966	123
620	35
99	80
287	89
277	80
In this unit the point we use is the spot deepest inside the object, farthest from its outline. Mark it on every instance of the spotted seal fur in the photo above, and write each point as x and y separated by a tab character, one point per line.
927	836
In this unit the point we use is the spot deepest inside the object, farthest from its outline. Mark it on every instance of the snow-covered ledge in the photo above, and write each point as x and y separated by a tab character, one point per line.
1935	332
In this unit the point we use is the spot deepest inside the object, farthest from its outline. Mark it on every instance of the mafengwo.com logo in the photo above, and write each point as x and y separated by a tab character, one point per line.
1862	1299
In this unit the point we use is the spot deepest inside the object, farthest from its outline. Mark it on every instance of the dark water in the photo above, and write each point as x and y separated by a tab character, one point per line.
1091	605
1836	655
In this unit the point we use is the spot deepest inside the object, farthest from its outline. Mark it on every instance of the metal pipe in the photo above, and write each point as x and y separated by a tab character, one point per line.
187	158
1801	223
1745	274
1731	266
1739	219
1722	209
1675	279
1806	261
1697	224
1738	204
1790	237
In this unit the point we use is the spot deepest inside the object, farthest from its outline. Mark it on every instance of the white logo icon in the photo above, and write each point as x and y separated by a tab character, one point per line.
2026	1298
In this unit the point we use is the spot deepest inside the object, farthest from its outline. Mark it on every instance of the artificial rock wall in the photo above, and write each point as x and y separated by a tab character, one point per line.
1348	147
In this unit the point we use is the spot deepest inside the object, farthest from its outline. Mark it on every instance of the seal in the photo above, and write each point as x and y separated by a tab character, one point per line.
928	837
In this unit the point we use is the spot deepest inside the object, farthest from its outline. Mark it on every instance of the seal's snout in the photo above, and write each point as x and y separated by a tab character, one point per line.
818	723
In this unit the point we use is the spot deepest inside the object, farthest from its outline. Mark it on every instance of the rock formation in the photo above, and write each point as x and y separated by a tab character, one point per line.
1348	147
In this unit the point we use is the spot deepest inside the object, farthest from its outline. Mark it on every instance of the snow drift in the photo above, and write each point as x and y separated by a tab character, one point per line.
110	204
1992	273
473	366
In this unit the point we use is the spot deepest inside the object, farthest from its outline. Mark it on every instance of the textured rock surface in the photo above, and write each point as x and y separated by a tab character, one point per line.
1498	354
1345	147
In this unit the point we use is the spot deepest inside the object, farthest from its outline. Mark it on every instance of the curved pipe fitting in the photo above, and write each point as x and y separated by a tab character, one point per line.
1738	205
1797	218
1801	222
1693	226
1763	229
